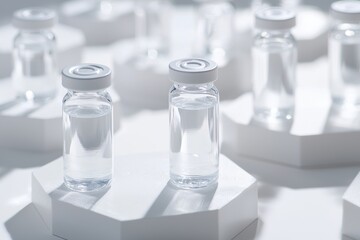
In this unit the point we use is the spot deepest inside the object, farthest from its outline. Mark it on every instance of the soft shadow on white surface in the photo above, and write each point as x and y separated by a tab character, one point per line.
81	199
342	119
25	159
286	176
250	232
27	224
173	200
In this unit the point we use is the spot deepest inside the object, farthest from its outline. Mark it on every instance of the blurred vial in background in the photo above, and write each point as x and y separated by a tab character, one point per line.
274	64
152	27
34	54
344	53
194	123
287	4
87	127
215	29
102	9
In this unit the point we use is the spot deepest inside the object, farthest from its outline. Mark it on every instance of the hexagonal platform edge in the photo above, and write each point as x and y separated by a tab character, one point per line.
142	204
311	140
351	210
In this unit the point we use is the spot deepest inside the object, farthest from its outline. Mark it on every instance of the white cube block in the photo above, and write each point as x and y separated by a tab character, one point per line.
35	127
147	84
100	27
142	204
70	44
351	210
319	135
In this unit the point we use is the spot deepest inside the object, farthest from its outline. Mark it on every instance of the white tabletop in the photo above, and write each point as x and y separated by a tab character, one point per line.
293	204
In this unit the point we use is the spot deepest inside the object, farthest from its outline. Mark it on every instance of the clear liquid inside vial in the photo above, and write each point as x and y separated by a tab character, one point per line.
87	147
194	156
344	51
34	74
274	79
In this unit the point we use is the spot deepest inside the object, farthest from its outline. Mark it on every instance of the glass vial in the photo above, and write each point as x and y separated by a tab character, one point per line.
194	123
274	64
215	29
34	55
152	27
87	127
344	53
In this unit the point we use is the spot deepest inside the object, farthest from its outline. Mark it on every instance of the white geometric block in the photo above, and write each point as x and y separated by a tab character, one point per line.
36	127
351	210
147	84
69	49
114	22
142	204
319	134
311	33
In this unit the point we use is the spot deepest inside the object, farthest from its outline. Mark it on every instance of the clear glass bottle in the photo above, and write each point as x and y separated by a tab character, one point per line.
152	27
87	127
215	29
194	123
344	53
274	64
34	55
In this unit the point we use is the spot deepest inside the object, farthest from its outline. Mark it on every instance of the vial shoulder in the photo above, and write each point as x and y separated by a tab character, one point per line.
35	38
102	98
345	32
266	40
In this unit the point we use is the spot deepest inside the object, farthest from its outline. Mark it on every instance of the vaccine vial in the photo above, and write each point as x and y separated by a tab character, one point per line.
34	55
87	127
152	28
194	123
215	29
274	56
344	53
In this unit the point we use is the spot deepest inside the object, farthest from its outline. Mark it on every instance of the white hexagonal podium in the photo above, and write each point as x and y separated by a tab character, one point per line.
69	49
142	204
112	23
35	127
351	210
319	135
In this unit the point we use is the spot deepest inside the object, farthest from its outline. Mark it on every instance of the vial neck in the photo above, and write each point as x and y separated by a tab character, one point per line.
87	93
194	87
276	33
343	25
34	31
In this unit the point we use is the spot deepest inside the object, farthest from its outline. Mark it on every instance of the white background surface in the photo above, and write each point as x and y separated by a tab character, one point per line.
294	204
